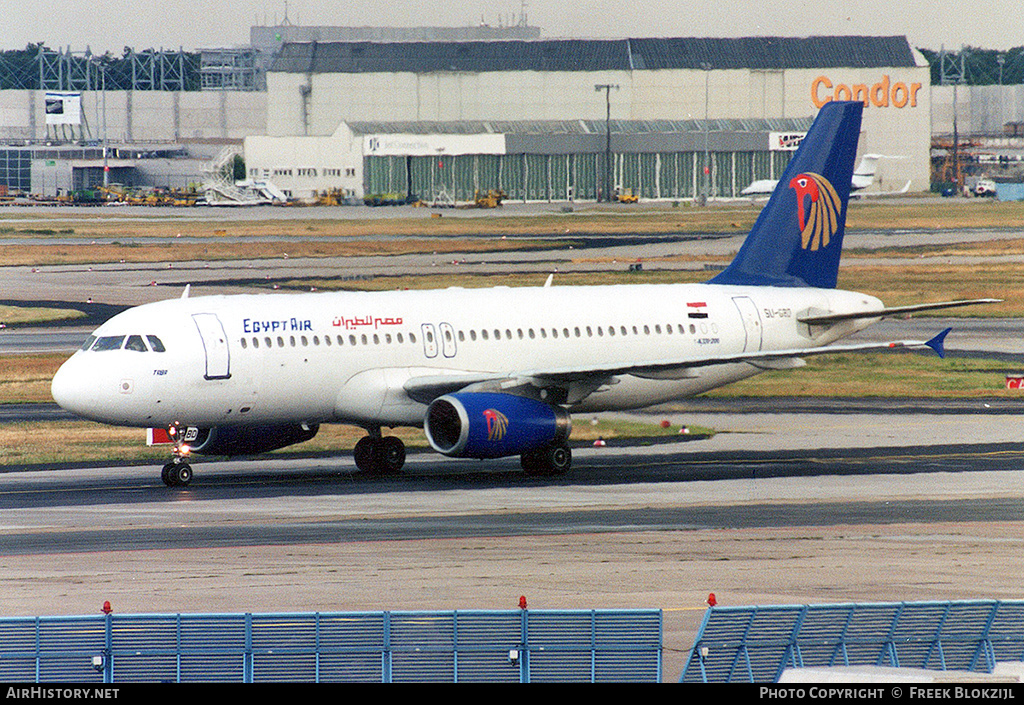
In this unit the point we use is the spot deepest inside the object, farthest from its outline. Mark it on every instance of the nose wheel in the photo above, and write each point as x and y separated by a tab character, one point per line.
176	473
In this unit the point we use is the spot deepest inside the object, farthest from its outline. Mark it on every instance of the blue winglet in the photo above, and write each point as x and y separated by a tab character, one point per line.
936	343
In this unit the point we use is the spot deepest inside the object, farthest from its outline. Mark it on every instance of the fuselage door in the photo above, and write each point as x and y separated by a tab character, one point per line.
751	322
215	342
448	340
429	339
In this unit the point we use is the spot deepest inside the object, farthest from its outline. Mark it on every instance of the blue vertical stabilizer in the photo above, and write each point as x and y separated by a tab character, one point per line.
798	237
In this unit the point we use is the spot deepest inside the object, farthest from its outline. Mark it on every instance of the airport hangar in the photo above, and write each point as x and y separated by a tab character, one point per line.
445	120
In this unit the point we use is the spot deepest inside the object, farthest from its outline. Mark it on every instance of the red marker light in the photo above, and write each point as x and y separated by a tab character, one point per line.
107	609
711	600
522	602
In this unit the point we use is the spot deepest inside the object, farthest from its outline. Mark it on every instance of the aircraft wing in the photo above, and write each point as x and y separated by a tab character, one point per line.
577	383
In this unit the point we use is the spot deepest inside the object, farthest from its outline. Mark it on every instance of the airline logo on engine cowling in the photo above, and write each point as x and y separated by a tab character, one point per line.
818	207
497	424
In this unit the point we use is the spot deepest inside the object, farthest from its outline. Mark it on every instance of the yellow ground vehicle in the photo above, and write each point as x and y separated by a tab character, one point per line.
627	196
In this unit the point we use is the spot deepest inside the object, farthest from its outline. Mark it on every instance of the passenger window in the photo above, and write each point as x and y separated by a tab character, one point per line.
110	342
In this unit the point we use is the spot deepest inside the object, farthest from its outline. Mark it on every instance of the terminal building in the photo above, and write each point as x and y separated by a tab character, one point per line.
562	120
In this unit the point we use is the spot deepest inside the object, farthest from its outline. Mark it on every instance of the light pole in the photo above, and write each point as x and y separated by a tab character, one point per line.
607	88
706	67
106	165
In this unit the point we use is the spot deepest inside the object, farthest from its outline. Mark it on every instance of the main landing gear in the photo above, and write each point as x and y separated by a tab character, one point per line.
379	455
554	459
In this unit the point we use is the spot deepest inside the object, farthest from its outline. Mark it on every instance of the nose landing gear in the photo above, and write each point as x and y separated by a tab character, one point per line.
177	473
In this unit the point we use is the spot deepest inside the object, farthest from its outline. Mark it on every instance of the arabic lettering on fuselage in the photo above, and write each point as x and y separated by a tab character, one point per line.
359	321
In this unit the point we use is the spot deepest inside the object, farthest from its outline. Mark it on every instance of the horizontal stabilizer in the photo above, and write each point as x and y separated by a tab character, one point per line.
938	343
827	318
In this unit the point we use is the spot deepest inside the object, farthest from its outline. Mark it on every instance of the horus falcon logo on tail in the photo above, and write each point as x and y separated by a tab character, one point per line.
819	220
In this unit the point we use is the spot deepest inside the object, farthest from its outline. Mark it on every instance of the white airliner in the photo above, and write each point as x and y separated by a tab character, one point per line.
488	372
862	178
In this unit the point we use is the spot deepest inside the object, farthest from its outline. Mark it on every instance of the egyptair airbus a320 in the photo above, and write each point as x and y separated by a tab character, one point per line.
488	372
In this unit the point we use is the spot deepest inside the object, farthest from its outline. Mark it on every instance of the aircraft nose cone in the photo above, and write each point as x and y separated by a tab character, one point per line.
69	388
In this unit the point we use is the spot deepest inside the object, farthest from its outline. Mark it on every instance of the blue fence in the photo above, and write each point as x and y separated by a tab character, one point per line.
755	644
505	646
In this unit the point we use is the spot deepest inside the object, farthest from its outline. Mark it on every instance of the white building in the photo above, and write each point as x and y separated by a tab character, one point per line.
331	107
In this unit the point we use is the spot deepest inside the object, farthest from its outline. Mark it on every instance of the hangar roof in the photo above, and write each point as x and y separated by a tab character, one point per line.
577	127
596	55
588	136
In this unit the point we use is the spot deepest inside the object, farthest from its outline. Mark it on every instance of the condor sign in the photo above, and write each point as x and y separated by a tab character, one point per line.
883	94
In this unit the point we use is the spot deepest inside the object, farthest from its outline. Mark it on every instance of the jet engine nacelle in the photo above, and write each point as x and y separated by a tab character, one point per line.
247	440
492	425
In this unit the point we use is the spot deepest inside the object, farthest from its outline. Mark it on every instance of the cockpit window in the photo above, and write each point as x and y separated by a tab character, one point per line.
112	342
136	343
156	343
88	342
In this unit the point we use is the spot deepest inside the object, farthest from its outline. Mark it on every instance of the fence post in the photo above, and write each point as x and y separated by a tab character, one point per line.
524	646
247	659
108	649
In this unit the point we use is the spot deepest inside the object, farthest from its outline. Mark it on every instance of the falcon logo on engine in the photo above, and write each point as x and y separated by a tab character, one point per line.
497	424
